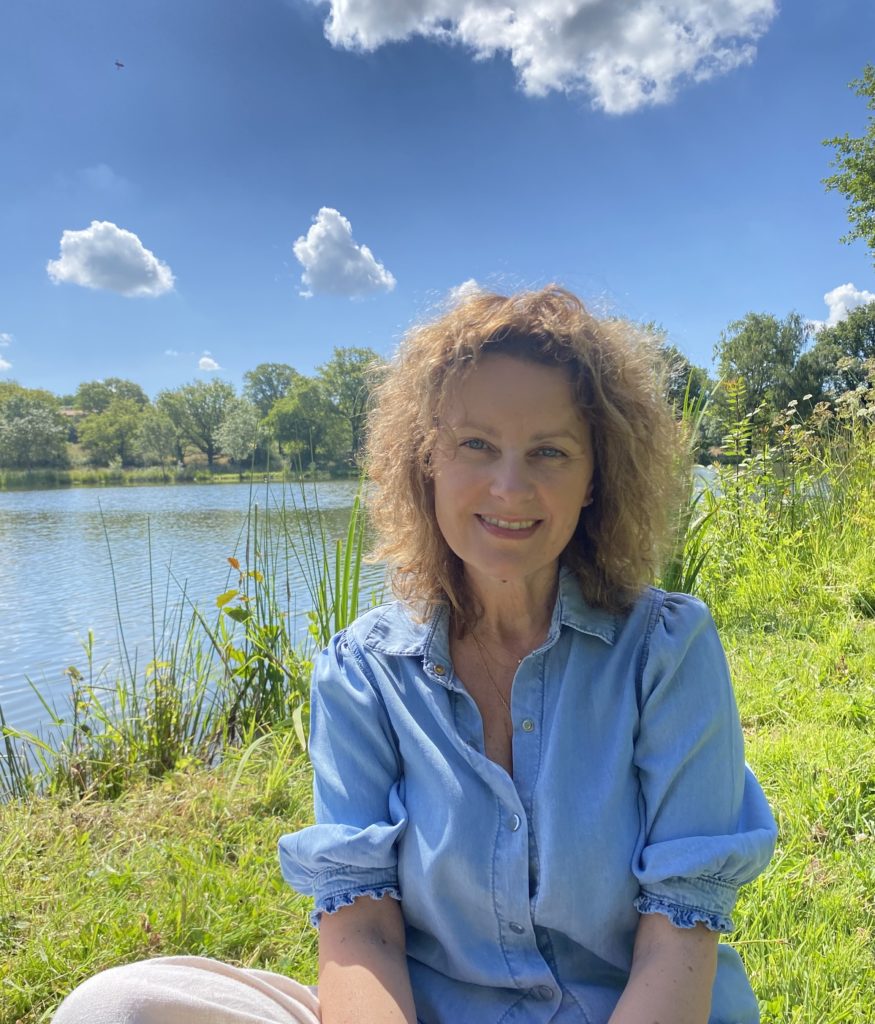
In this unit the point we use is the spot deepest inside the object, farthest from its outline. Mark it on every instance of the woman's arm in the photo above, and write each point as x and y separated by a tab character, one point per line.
363	977
672	974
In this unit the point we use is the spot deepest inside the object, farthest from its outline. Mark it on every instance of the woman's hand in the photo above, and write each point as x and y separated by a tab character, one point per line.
672	974
363	977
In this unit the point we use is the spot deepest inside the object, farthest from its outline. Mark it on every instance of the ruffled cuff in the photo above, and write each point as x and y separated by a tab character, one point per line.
332	901
687	902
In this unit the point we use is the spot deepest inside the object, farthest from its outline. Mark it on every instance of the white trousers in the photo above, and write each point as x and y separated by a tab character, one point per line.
188	990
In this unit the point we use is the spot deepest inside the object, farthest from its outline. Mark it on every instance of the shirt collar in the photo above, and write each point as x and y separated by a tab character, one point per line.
396	632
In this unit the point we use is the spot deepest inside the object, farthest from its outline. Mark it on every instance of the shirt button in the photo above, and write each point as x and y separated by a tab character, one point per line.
439	670
517	929
528	725
515	822
543	992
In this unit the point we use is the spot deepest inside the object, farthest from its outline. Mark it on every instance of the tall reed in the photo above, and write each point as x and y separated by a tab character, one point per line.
215	679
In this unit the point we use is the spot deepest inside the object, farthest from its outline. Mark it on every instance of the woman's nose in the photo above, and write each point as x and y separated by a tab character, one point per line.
511	479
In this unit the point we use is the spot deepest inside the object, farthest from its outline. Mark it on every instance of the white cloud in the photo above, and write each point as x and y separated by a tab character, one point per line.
466	290
170	352
5	339
108	257
334	263
103	178
625	54
840	301
206	362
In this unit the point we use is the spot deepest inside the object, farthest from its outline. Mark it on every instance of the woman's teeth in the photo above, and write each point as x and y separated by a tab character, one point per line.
506	524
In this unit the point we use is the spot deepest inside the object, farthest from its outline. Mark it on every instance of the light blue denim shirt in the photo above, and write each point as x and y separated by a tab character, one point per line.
521	895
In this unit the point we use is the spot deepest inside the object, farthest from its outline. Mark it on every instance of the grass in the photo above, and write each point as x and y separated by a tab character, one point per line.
116	476
186	862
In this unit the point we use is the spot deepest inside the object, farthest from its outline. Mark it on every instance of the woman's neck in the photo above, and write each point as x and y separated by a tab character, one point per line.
515	614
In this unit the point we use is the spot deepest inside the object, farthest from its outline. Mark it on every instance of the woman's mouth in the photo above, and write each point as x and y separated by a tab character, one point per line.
509	527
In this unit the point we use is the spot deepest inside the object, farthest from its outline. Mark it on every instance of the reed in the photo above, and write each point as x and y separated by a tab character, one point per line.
215	680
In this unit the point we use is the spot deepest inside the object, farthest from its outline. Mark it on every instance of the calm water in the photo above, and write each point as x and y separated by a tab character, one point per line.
59	549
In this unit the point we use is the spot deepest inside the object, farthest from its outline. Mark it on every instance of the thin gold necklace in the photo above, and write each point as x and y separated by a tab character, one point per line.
482	654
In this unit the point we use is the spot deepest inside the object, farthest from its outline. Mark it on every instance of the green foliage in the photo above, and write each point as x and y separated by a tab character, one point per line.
267	384
346	379
97	395
157	439
690	544
307	426
32	432
764	351
197	411
855	160
844	349
113	433
240	431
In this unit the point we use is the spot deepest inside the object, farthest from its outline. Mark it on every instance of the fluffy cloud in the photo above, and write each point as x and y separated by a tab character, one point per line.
465	290
108	257
841	300
626	55
334	263
206	362
5	339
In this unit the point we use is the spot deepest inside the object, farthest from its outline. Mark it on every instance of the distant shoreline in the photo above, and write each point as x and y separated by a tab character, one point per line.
63	479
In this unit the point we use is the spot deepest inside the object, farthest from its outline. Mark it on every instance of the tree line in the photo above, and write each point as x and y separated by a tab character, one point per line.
281	416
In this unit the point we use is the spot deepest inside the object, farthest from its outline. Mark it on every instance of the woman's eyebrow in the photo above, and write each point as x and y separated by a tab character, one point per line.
542	435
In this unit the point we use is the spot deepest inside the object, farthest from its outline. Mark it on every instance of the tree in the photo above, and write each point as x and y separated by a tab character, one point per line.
239	433
112	434
346	381
855	160
764	351
197	411
32	431
682	377
95	396
306	424
157	440
267	384
841	351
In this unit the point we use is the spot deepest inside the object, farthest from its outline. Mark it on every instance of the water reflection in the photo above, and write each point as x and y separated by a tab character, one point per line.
84	559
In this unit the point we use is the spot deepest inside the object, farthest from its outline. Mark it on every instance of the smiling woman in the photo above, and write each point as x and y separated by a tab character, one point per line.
512	468
531	801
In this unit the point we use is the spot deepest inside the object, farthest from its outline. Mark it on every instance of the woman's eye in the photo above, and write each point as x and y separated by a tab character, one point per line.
550	453
476	444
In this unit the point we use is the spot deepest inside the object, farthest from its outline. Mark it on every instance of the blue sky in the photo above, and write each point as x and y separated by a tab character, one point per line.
664	173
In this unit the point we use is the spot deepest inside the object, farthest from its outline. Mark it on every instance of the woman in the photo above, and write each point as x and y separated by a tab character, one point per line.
530	795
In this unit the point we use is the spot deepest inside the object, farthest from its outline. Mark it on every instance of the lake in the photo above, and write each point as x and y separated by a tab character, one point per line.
69	555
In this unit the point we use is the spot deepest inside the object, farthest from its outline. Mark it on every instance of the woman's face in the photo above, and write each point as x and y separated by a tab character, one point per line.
512	469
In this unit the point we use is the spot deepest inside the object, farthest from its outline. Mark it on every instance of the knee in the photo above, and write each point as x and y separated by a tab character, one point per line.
115	996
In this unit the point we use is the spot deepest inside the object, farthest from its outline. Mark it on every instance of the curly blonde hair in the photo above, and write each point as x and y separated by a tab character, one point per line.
612	366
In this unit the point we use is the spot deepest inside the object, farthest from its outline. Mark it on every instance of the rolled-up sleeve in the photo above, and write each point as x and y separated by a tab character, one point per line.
351	851
707	826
